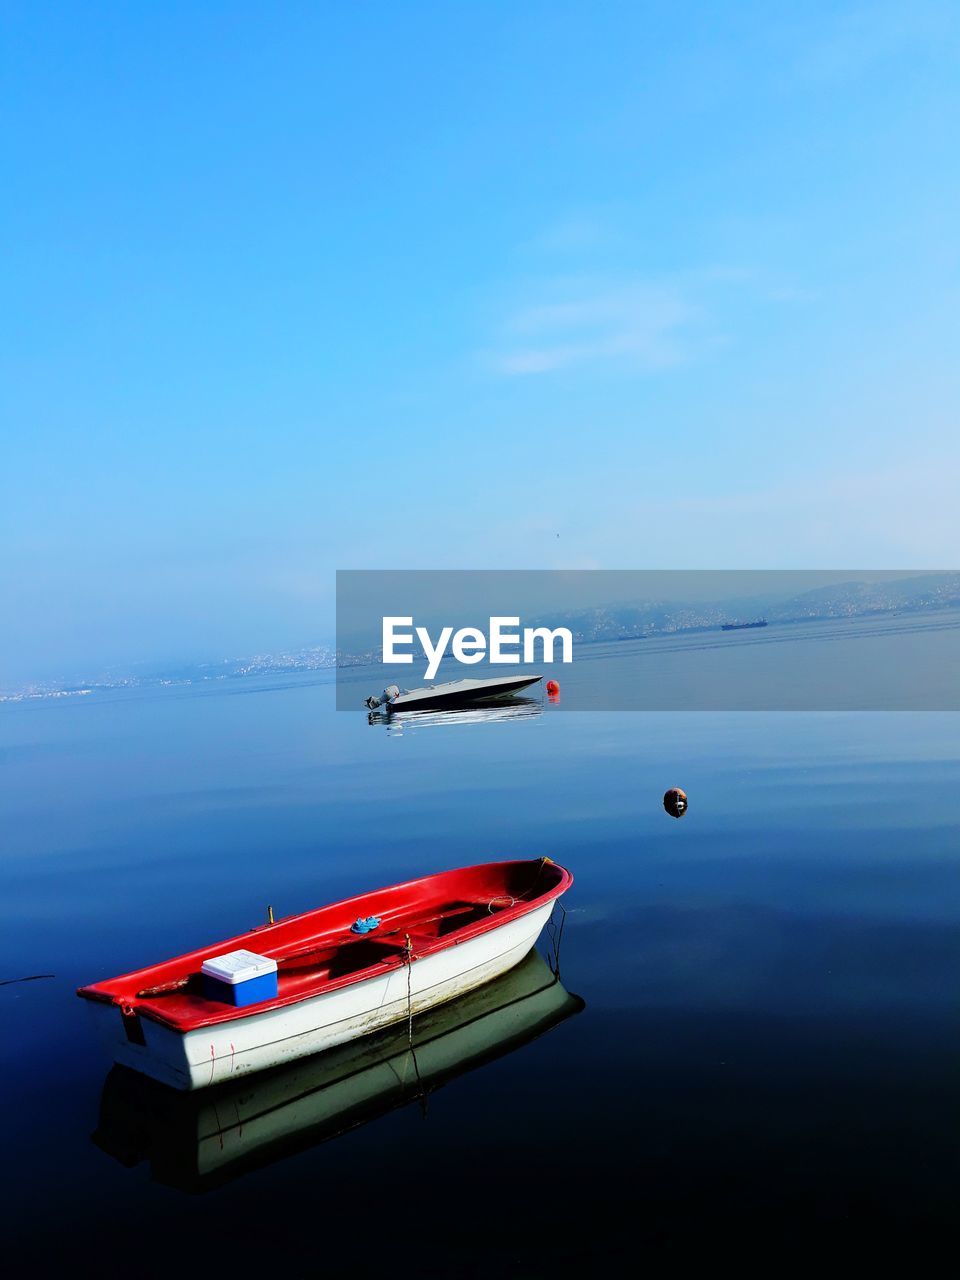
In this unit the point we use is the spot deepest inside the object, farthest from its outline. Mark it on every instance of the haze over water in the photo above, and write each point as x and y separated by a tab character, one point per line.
767	1052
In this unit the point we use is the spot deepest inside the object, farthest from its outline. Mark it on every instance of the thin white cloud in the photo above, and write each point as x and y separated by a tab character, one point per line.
636	324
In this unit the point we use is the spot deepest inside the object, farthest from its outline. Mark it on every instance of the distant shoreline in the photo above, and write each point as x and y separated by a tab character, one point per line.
325	659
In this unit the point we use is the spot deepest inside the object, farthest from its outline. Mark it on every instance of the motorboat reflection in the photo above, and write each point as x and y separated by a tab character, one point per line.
452	693
196	1141
516	709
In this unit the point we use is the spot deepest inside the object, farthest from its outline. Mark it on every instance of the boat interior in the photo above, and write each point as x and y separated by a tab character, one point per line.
300	974
318	951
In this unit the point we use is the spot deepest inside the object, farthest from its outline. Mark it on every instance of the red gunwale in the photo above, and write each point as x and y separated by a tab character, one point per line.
401	908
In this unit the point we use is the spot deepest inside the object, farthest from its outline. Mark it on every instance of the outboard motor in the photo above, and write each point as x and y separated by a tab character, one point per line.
390	692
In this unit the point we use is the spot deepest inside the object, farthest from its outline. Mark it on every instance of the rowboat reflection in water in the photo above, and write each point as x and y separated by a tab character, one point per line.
197	1141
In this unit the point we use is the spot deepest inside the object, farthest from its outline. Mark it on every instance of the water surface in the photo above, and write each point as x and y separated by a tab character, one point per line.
766	1054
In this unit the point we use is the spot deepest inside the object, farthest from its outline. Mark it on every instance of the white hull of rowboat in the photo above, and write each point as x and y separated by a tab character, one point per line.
210	1055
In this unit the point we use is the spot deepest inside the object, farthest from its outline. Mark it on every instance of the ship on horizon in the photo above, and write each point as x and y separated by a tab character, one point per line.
744	626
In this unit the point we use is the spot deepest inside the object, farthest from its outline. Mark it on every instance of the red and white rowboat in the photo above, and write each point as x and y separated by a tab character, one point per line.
438	937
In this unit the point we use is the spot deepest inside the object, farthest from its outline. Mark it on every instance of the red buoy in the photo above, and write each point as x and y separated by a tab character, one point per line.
552	687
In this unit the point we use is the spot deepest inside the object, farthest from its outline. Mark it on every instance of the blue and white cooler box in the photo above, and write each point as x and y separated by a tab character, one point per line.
239	978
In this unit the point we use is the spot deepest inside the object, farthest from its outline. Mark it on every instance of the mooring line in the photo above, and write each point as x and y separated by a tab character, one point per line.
408	954
556	935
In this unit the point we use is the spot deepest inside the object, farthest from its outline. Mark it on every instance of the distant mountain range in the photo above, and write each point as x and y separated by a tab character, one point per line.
841	600
621	621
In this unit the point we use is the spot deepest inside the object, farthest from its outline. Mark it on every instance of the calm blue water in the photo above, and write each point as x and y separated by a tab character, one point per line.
767	1054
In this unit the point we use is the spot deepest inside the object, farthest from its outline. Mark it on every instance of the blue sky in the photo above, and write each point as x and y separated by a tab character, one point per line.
291	288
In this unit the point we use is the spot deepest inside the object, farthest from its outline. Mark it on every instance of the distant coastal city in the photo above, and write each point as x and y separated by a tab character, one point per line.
597	625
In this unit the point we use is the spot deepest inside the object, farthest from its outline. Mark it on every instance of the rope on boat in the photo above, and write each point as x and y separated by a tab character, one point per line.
164	989
496	904
409	958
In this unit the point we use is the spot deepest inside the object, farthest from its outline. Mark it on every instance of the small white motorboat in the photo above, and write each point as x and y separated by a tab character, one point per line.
455	693
313	981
